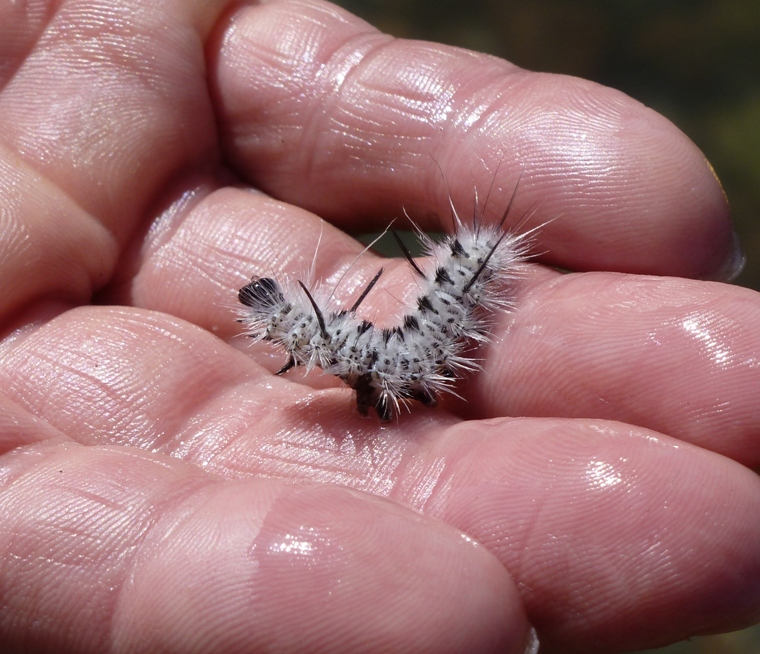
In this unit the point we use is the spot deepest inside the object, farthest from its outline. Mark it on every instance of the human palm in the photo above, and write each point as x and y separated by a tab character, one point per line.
162	490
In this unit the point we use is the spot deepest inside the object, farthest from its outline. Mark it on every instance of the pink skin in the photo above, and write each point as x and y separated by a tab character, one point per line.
163	491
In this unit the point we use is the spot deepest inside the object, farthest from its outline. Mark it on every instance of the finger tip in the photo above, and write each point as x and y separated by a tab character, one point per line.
623	187
405	580
683	210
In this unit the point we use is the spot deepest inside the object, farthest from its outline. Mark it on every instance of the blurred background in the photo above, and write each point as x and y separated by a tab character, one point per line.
695	61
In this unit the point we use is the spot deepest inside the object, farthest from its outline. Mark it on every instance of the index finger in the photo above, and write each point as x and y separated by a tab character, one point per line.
321	110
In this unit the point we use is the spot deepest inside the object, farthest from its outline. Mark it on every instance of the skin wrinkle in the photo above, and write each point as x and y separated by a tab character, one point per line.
14	237
19	35
219	434
346	89
425	101
72	232
30	475
19	428
235	442
173	253
343	93
180	511
342	465
118	397
424	478
139	121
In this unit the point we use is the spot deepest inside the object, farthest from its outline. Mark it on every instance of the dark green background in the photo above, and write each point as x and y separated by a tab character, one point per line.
695	61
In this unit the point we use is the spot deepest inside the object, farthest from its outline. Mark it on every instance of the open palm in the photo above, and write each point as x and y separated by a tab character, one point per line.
163	490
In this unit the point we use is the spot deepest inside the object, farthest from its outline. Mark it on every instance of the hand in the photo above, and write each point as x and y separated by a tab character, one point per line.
162	490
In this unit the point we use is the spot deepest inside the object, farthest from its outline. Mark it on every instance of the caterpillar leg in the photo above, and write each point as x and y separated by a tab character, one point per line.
290	364
368	396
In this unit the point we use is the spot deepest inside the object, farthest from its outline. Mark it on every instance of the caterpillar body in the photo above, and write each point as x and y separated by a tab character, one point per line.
424	355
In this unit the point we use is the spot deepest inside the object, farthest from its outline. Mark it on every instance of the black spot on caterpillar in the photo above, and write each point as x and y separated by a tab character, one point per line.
423	357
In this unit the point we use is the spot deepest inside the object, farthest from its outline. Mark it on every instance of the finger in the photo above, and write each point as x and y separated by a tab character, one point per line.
102	105
107	550
321	110
618	536
671	355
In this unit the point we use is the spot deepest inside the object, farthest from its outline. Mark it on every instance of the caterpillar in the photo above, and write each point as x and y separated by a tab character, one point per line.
423	356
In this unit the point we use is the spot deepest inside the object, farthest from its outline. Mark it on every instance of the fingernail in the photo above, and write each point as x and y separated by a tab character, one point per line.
532	646
732	266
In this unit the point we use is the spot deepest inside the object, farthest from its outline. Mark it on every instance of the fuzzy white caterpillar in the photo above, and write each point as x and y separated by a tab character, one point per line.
422	357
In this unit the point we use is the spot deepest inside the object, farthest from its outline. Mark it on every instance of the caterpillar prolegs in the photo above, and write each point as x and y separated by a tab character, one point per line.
431	348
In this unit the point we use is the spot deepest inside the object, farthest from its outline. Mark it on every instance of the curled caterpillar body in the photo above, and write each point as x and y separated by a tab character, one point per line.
423	356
